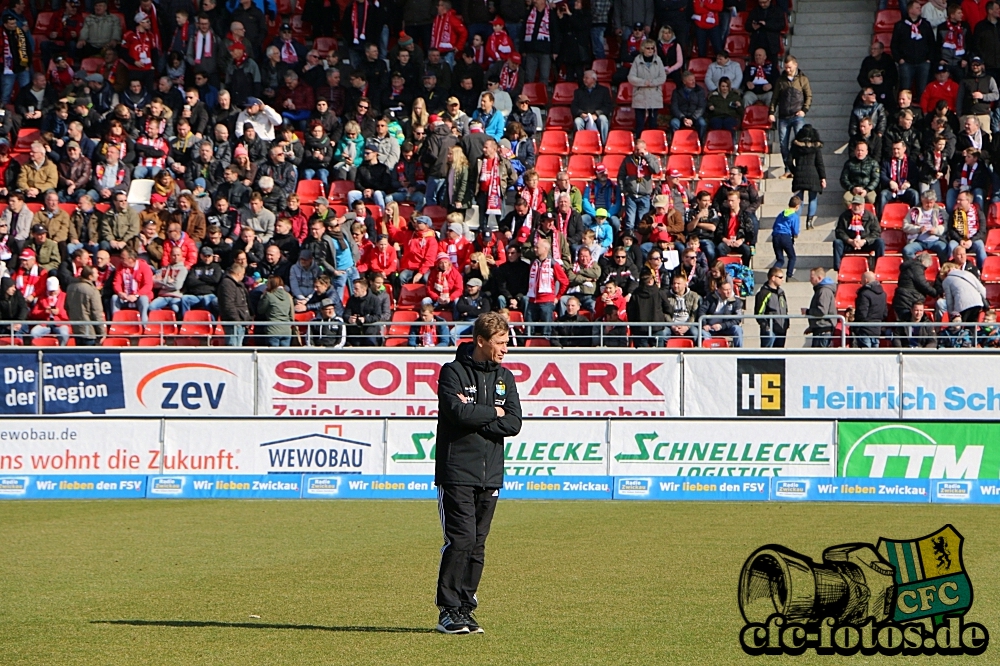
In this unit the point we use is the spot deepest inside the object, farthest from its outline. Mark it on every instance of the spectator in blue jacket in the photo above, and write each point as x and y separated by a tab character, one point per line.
603	233
492	120
602	192
783	234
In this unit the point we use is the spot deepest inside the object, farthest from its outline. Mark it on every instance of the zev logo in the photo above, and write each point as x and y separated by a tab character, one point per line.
189	395
760	387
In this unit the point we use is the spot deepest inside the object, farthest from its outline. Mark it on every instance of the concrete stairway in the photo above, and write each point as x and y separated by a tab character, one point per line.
829	38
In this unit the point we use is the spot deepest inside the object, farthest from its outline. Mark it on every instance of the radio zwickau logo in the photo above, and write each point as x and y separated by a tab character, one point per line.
760	387
901	597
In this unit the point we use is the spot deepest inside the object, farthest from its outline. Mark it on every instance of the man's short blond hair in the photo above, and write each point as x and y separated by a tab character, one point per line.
490	324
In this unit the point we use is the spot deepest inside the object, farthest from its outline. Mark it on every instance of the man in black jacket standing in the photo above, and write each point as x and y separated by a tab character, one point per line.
478	406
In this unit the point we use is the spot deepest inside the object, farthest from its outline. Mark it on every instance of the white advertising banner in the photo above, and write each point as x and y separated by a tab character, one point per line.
79	446
273	446
951	386
821	385
216	384
543	448
723	448
608	384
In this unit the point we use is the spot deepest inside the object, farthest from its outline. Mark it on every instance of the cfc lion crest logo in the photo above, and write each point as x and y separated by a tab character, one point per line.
501	389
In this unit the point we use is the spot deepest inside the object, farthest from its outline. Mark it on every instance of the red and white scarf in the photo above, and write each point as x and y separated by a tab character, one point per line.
129	284
288	54
489	178
915	29
899	169
562	220
508	78
543	26
968	173
857	225
203	44
954	38
359	28
541	280
972	218
441	33
26	282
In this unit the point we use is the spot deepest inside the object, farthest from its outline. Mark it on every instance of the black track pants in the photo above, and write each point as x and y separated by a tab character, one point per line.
466	513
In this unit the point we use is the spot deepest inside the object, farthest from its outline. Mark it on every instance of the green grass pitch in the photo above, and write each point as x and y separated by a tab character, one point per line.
351	582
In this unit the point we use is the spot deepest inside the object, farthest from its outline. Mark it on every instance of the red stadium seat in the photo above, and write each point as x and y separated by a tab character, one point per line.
309	190
709	185
437	214
715	343
993	217
45	341
685	142
410	296
624	96
751	164
620	142
43	23
668	93
993	241
301	30
623	118
537	342
125	323
560	118
894	240
554	142
338	191
756	116
698	67
587	142
25	138
893	215
991	269
581	166
683	343
115	342
196	328
562	94
92	65
713	166
325	45
738	24
890	293
682	163
613	163
993	293
718	141
932	271
887	269
851	268
753	141
738	45
656	141
605	70
536	93
161	323
548	166
885	38
886	20
847	294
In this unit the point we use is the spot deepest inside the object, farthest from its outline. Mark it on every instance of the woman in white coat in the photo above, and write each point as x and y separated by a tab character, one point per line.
647	76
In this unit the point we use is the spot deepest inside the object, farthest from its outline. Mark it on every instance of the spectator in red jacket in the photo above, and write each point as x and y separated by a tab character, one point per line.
455	244
176	237
448	33
611	294
419	253
547	282
444	284
133	285
942	88
30	277
381	258
50	308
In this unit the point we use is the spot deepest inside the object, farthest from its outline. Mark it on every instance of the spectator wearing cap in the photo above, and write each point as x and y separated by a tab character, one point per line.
978	91
140	49
444	283
469	306
524	115
302	280
51	309
941	89
502	101
592	106
263	118
374	179
459	119
45	249
329	330
857	231
18	217
293	52
433	94
396	95
913	47
99	30
201	283
499	44
29	278
602	193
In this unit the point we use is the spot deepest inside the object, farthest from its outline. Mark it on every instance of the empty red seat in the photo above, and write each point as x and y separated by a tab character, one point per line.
751	164
713	166
605	70
410	296
624	96
338	191
620	142
685	343
554	142
115	342
710	185
991	269
738	45
887	269
753	141
894	240
893	215
325	45
548	166
45	341
581	166
718	141
536	93
587	142
125	323
993	216
698	67
685	142
43	23
993	241
562	94
886	20
437	214
623	118
683	164
738	24
613	163
309	190
715	343
756	116
92	65
656	141
668	92
851	269
847	294
931	273
559	117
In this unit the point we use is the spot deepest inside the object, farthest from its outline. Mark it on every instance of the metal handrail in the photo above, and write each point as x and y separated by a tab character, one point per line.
741	317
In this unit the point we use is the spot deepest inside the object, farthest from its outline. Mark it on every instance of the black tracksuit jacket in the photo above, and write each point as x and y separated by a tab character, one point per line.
470	436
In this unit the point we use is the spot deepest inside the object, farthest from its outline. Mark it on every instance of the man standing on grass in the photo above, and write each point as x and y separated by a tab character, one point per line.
477	407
